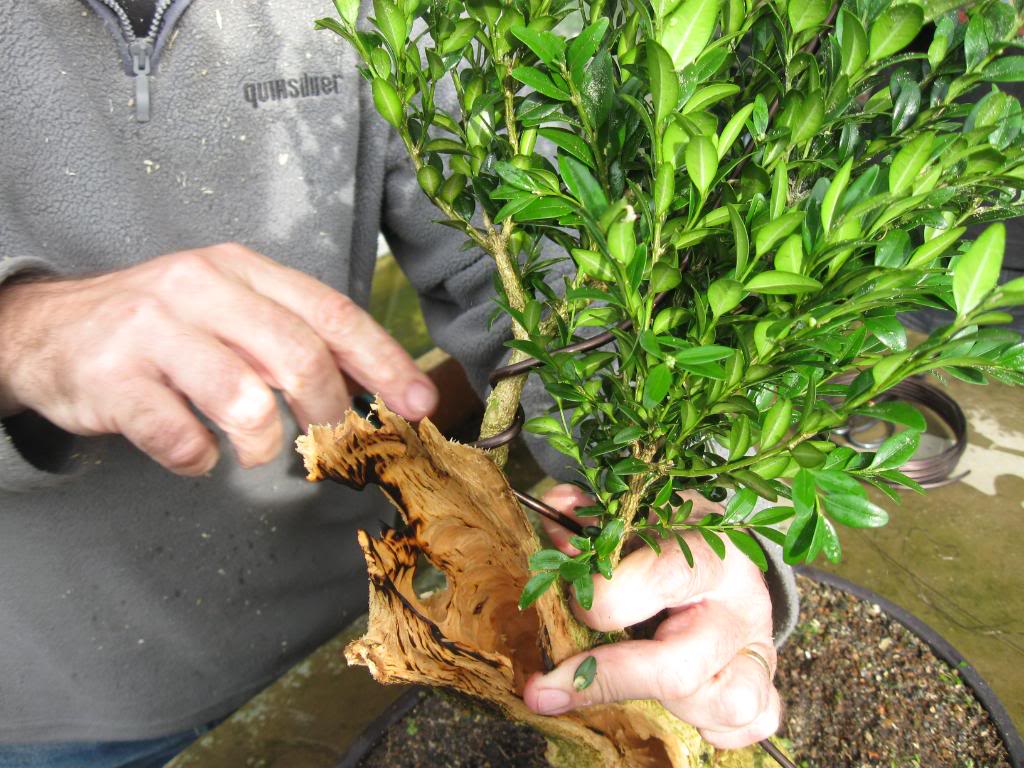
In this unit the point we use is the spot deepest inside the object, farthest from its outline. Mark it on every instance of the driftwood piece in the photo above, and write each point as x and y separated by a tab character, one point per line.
459	513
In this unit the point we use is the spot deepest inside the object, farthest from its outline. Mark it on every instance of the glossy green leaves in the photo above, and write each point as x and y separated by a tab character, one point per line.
977	271
894	30
701	162
807	14
687	30
664	82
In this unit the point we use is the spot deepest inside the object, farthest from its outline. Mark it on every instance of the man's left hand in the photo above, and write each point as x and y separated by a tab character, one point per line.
711	661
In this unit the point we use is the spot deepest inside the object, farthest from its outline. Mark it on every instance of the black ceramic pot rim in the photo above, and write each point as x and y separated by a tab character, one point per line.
399	708
940	647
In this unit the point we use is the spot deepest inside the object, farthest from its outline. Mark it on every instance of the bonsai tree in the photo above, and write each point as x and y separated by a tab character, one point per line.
743	194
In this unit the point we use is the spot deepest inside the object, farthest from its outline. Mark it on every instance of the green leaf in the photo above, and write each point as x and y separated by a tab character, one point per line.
780	195
724	295
547	560
664	188
855	511
739	437
740	239
570	142
976	43
733	129
535	587
583	587
896	412
664	82
585	46
808	119
547	47
781	283
665	277
544	208
746	544
893	251
833	481
544	425
888	330
687	30
771	516
540	82
804	494
767	236
790	256
386	101
584	674
597	90
834	193
853	44
465	30
807	14
807	455
740	505
582	185
776	422
708	96
894	30
713	540
609	537
573	569
908	162
701	162
896	450
594	264
977	271
348	10
698	355
392	24
656	385
932	249
1007	69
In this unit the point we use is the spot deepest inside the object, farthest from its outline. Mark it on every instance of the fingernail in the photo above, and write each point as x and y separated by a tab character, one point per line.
420	398
552	701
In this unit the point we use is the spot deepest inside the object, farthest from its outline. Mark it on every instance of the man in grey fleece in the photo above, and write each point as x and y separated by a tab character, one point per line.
146	587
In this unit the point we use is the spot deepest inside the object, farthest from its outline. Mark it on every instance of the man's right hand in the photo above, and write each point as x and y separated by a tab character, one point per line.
218	327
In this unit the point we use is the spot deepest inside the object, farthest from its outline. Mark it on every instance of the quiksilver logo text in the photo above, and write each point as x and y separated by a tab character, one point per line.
291	88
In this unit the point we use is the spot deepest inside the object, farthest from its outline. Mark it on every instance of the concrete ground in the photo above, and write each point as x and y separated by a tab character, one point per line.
954	558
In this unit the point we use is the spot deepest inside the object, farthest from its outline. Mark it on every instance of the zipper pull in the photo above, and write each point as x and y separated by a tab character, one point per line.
141	52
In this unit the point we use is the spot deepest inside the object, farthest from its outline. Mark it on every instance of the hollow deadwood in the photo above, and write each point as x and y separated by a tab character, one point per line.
457	511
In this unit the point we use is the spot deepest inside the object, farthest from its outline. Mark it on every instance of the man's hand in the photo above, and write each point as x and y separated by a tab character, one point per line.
218	328
699	663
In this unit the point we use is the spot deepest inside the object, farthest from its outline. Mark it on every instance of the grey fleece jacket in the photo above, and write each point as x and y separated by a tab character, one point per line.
134	603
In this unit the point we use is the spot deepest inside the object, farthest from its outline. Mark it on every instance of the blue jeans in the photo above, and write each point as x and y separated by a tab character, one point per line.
147	753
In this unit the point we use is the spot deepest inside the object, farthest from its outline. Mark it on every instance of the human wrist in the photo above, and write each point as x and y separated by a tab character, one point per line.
19	305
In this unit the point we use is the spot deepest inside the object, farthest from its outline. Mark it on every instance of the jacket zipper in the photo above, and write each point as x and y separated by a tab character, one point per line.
141	51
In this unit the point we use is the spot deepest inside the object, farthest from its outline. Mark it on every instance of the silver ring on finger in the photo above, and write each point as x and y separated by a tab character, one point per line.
756	656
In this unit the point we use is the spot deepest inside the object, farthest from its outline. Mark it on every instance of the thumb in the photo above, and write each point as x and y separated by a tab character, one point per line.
625	670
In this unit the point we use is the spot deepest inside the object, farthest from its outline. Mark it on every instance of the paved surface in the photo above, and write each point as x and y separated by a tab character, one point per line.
955	557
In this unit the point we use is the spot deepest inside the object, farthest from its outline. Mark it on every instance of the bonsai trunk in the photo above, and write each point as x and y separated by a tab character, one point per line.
458	512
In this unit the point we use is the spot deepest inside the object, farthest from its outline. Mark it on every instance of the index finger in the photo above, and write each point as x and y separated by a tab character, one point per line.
361	347
645	583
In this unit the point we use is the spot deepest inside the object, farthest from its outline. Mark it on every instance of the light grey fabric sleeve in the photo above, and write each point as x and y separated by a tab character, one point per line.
32	451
